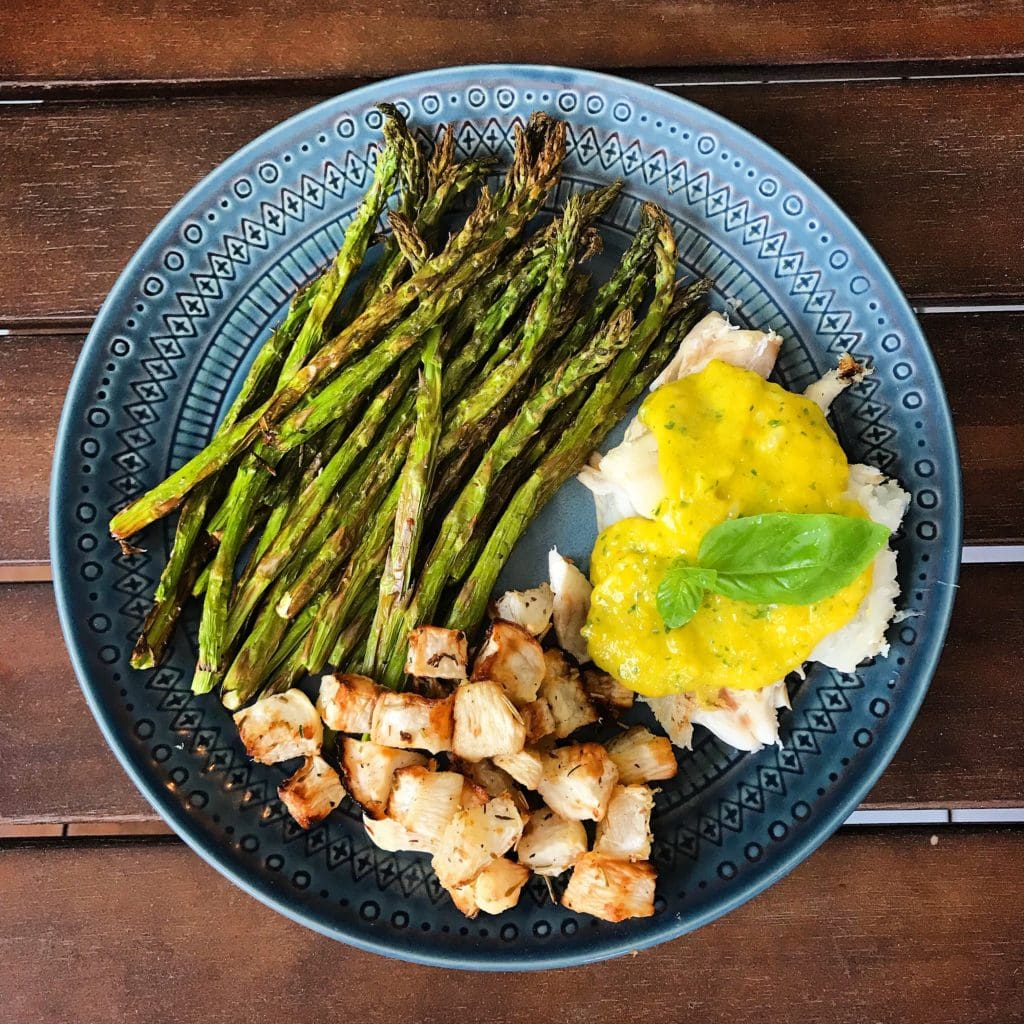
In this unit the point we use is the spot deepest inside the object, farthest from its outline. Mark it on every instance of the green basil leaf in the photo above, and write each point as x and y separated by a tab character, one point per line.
681	592
789	558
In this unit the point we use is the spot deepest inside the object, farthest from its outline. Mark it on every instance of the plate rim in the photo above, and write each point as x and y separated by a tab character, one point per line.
846	799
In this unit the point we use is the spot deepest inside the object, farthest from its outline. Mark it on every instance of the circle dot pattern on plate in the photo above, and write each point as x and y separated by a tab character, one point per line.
183	323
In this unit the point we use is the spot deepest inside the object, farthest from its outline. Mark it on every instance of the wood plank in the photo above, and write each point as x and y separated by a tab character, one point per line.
965	748
981	357
35	371
82	184
905	179
912	932
221	39
56	766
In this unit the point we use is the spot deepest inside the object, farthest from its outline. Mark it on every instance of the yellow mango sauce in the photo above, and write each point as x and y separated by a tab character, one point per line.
729	444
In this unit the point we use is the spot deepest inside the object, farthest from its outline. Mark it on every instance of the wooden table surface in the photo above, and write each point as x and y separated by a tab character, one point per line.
110	110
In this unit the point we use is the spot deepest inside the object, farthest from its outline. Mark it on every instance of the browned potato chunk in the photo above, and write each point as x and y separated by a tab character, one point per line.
612	890
641	756
410	721
563	691
368	770
498	886
464	898
530	609
280	727
346	702
526	767
424	802
486	722
551	844
538	720
389	835
512	657
607	691
625	833
437	652
474	837
578	781
312	792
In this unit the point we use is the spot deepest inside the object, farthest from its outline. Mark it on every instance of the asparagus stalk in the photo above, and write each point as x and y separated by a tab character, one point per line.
607	404
178	579
258	467
357	238
536	331
292	592
485	228
335	613
446	180
414	490
304	513
510	442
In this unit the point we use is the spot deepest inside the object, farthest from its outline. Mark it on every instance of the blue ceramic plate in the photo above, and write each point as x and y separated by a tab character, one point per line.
174	339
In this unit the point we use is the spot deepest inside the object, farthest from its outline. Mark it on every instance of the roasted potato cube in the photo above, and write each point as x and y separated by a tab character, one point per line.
437	652
530	609
551	844
368	770
389	835
474	837
464	898
512	657
424	801
485	774
280	727
572	592
498	886
538	719
578	781
607	691
312	792
641	756
408	720
346	702
526	767
612	890
563	691
625	832
486	722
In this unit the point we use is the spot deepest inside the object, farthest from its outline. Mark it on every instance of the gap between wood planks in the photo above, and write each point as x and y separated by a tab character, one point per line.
936	817
65	90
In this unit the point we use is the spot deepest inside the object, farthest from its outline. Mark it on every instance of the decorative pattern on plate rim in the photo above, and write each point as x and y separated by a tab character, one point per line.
174	338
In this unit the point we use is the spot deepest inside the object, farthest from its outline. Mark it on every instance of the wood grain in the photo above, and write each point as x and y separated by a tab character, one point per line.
53	760
228	39
929	170
35	371
965	748
981	357
876	926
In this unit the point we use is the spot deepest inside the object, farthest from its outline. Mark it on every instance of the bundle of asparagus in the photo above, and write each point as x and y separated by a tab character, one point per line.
392	441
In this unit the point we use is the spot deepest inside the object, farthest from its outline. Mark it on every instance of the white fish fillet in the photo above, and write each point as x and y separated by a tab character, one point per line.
572	592
627	482
863	637
829	386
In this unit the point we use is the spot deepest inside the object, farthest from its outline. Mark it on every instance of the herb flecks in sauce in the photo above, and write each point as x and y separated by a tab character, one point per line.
736	423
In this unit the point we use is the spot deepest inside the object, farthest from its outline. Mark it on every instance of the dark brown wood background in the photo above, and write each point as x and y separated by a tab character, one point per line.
910	114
